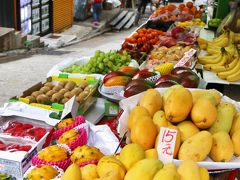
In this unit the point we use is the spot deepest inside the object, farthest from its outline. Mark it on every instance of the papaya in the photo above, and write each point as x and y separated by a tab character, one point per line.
236	142
222	148
235	124
196	94
225	114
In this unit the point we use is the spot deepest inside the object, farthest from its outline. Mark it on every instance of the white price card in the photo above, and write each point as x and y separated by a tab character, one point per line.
187	56
166	144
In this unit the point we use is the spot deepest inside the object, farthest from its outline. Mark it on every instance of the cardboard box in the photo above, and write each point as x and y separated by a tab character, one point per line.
50	113
17	163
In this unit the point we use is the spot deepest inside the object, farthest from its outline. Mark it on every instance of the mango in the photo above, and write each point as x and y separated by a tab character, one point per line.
89	172
178	105
203	113
197	147
222	148
177	143
131	154
117	81
236	142
73	172
110	166
169	91
187	129
204	173
151	153
168	172
235	124
144	170
144	133
196	94
152	101
159	119
225	114
188	170
136	113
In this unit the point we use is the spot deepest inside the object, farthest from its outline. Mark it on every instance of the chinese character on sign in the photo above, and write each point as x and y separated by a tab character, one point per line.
166	144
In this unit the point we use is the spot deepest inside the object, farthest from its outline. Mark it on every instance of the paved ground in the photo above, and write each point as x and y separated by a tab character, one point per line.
18	75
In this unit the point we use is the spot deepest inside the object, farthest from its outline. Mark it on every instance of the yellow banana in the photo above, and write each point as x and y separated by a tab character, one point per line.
234	77
213	49
225	74
221	37
223	61
223	43
227	67
212	59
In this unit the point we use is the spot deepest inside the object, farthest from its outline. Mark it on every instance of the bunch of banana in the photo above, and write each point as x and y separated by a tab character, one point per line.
221	41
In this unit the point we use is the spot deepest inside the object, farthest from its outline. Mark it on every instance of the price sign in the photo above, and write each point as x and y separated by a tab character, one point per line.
187	56
166	144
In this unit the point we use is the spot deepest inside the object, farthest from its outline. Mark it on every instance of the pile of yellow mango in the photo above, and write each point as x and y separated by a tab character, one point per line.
206	126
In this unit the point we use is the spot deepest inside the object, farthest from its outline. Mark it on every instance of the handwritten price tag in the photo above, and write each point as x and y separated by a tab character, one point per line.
187	56
166	144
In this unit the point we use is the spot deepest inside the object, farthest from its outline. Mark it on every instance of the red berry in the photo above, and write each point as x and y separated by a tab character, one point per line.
25	148
27	126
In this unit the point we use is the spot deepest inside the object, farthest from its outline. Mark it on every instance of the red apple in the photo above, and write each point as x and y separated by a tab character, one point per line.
189	80
143	74
179	70
168	77
167	83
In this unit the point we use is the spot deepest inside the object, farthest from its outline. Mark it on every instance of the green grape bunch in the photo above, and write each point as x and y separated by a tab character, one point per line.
101	63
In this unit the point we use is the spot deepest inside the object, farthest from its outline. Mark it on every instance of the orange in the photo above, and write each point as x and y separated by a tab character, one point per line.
189	5
181	6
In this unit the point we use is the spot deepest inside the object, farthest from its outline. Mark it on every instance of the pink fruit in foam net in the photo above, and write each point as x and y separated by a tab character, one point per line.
177	32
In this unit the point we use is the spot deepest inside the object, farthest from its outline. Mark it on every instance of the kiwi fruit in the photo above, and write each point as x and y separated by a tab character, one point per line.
64	100
56	97
57	88
70	85
86	93
62	83
80	98
83	84
63	91
45	89
42	99
31	99
50	93
48	84
36	93
76	91
68	95
88	88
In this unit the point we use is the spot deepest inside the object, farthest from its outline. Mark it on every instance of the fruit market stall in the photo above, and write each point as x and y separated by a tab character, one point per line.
140	112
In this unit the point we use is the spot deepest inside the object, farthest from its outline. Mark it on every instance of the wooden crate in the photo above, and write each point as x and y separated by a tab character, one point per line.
62	14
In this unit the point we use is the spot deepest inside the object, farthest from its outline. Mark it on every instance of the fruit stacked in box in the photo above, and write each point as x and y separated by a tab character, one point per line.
88	162
60	92
207	124
222	56
182	12
21	134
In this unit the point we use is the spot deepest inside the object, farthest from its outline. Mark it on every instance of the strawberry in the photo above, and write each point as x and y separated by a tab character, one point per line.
12	147
18	133
25	148
2	146
27	126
